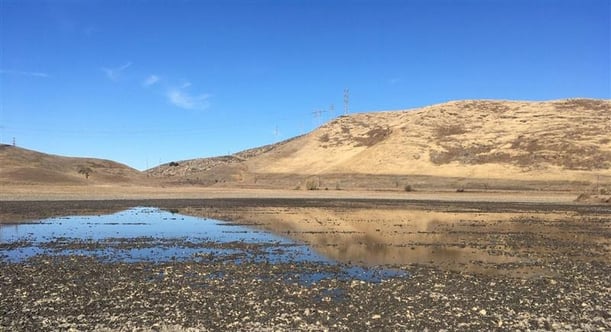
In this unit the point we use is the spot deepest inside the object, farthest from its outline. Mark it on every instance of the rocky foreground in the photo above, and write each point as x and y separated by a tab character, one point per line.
81	293
216	293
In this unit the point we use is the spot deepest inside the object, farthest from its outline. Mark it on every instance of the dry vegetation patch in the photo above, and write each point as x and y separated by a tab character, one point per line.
372	137
566	140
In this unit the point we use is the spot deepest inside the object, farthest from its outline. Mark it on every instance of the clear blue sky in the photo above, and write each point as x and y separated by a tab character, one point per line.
143	82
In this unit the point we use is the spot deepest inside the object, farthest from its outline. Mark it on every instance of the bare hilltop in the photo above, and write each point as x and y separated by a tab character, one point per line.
478	144
20	166
561	145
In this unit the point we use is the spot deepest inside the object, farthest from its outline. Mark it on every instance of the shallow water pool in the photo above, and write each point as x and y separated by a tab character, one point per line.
154	235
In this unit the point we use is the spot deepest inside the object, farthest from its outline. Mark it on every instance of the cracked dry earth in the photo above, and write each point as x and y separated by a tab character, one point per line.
82	293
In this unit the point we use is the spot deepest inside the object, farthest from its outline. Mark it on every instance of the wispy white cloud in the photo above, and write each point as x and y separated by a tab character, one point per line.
182	99
151	80
24	73
114	74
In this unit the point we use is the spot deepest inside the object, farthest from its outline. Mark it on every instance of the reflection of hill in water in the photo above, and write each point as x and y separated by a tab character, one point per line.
411	238
16	212
460	240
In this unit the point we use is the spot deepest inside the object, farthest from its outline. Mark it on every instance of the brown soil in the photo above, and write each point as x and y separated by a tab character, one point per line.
472	266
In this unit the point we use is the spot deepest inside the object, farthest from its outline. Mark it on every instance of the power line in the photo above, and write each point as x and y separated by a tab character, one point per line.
346	101
116	132
317	114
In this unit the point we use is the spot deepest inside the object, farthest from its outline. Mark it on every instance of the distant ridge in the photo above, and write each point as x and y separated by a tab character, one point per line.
22	166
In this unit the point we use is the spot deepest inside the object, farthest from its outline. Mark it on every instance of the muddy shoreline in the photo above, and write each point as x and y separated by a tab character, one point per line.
570	243
17	211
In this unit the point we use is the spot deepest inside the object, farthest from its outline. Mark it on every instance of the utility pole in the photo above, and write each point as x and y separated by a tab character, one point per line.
317	114
14	144
346	101
331	111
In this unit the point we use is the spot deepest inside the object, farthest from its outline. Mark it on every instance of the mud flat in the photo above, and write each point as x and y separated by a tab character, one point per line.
461	266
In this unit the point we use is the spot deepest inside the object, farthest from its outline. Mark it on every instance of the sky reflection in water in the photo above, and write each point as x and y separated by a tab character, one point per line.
150	234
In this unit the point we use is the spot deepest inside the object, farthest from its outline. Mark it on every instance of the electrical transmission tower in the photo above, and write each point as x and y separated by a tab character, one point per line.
317	114
332	111
346	101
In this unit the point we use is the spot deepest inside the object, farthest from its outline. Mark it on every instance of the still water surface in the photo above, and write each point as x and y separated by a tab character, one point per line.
133	223
150	234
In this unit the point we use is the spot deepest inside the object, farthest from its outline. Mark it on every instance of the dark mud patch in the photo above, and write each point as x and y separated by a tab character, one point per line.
234	286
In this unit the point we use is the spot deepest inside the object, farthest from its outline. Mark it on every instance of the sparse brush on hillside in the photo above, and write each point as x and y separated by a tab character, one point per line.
495	144
85	171
312	185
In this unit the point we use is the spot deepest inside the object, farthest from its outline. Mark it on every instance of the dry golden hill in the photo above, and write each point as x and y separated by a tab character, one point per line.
26	167
563	144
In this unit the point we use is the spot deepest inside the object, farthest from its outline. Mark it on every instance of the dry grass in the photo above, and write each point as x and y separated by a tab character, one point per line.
444	131
22	166
372	137
491	144
520	140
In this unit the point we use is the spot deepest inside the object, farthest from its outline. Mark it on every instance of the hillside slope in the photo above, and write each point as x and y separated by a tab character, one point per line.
456	138
20	166
564	140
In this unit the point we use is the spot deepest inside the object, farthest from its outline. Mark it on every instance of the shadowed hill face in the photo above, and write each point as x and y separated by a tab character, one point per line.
21	166
207	171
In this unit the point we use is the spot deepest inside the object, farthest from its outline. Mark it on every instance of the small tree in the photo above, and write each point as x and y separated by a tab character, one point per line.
86	171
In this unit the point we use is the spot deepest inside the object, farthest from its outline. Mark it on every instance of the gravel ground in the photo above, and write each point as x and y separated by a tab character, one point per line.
85	293
52	293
